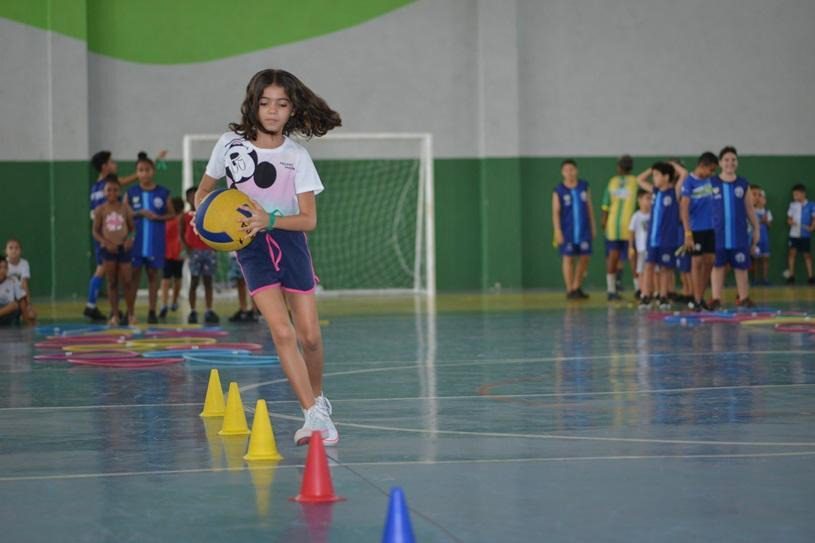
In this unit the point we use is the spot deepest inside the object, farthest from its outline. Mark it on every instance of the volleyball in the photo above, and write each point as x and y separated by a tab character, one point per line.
216	220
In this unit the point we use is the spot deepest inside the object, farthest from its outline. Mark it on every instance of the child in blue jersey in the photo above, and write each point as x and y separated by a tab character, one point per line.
573	223
152	206
761	260
696	213
801	218
668	179
732	212
259	159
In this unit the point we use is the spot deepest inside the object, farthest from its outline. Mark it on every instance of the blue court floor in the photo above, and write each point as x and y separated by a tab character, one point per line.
580	423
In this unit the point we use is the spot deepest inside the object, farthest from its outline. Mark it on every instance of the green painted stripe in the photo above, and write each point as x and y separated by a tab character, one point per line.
186	31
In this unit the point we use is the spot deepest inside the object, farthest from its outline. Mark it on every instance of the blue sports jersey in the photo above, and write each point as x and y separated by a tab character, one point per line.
664	219
97	194
700	192
150	234
729	213
574	212
764	232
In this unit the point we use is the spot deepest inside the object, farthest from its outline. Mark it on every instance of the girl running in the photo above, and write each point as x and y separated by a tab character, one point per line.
258	158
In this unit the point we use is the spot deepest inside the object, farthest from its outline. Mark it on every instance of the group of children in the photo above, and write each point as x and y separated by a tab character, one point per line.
148	230
699	223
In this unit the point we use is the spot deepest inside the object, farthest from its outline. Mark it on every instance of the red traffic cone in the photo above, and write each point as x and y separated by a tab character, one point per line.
316	486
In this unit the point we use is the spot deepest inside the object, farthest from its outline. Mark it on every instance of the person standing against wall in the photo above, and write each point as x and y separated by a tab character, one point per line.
619	202
574	227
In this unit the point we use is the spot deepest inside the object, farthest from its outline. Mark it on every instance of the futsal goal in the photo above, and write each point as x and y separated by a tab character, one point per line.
375	229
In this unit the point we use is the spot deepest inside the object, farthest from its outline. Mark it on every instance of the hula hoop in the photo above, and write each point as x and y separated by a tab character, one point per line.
780	320
683	319
795	328
111	347
174	341
103	355
61	329
217	346
129	363
178	327
58	343
181	352
232	360
185	333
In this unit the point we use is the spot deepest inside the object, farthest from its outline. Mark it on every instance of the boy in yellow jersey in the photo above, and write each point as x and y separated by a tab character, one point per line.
619	203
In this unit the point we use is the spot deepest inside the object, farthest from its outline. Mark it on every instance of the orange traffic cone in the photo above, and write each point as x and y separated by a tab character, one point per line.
316	486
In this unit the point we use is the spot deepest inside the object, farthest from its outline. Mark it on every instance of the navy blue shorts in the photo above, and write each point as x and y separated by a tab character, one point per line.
619	245
739	259
575	249
155	263
802	245
662	256
278	259
683	263
97	254
121	255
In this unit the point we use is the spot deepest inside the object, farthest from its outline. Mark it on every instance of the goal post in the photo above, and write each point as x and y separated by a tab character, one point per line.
376	227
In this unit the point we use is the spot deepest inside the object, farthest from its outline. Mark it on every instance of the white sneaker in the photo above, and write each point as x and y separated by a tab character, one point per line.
321	400
317	418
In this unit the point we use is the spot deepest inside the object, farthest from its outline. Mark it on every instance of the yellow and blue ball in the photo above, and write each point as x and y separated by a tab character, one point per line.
216	220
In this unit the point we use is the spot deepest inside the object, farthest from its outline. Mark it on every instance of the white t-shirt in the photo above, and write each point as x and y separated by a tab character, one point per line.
20	270
640	222
272	177
10	291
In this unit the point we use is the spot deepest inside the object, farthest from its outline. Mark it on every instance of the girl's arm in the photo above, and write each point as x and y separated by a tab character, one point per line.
206	186
682	174
97	229
169	213
131	228
305	221
642	181
183	231
9	308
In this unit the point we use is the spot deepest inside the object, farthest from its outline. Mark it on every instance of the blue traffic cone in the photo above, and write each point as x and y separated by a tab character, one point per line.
397	525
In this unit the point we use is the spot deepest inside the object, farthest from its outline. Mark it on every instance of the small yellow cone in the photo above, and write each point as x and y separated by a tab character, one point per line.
234	417
214	401
262	445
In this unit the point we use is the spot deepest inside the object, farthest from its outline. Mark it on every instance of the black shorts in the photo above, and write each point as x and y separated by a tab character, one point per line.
704	242
173	268
802	245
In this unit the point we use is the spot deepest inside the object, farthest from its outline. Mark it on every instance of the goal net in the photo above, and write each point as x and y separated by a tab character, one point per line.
375	227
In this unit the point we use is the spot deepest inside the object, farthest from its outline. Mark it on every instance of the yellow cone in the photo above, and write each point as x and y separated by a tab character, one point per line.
234	417
214	401
262	445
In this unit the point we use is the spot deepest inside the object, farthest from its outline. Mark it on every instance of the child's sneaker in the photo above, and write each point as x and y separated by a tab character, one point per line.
322	401
163	313
317	418
174	308
152	318
210	317
193	318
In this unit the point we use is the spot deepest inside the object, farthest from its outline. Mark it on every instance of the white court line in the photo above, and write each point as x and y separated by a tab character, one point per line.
541	459
557	436
499	361
423	398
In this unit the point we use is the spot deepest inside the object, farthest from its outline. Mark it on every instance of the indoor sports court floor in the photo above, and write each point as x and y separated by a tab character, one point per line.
504	418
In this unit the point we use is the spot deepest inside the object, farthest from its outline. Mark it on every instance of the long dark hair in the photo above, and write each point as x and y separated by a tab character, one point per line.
312	116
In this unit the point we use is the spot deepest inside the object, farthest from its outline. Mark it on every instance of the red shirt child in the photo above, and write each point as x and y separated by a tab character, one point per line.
190	237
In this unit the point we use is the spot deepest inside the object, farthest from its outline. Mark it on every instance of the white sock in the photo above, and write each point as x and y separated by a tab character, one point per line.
611	283
636	284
